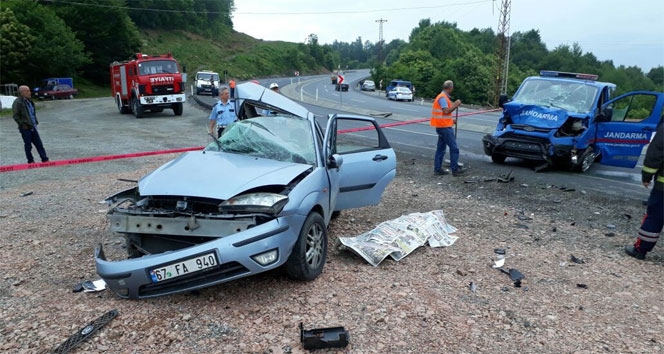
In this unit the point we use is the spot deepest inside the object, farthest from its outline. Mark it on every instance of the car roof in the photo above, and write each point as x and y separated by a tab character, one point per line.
597	84
404	81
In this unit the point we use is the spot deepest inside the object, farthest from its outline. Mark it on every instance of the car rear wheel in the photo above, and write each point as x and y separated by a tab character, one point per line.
177	109
498	158
310	251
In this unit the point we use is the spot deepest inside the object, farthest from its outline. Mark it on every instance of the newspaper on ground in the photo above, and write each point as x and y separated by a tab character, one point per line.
399	237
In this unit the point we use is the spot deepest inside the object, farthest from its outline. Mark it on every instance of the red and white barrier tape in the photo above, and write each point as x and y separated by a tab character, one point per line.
29	166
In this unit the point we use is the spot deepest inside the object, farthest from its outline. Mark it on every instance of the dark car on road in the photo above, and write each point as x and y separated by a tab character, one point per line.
57	91
341	87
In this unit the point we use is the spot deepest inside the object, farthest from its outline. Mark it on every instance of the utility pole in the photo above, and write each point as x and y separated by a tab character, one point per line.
503	53
380	38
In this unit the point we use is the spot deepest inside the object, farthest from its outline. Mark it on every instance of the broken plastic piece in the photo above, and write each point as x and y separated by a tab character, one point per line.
499	263
320	338
541	167
499	250
84	333
26	194
576	260
506	178
472	286
91	286
582	286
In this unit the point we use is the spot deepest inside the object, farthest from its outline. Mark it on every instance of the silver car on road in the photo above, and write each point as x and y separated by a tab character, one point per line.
258	198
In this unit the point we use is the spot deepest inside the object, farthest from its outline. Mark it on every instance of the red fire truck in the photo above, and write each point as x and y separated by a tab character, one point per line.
151	83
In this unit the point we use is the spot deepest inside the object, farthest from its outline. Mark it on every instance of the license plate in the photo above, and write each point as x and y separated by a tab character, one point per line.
185	267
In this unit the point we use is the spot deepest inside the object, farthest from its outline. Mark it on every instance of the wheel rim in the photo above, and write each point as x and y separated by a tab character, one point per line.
314	249
587	161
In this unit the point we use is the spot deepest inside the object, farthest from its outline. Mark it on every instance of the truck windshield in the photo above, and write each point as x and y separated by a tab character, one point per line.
208	77
287	139
575	97
157	67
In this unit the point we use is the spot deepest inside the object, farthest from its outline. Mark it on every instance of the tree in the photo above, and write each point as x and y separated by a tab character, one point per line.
55	50
15	45
108	35
657	76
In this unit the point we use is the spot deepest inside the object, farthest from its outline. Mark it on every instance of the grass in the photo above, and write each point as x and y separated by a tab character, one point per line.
88	89
243	56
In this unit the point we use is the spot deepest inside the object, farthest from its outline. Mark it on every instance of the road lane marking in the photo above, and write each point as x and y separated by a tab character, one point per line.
352	99
406	109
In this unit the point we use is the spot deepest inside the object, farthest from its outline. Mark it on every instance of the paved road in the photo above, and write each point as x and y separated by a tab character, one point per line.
420	139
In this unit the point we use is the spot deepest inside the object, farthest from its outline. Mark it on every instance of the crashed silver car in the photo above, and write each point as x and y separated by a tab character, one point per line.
258	198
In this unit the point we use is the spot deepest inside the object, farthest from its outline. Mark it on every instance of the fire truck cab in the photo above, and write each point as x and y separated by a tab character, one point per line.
148	83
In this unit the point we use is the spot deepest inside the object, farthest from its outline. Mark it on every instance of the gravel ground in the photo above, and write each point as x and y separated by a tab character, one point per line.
421	304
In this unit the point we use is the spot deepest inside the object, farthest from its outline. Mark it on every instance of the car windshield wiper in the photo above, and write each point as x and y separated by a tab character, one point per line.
260	126
551	104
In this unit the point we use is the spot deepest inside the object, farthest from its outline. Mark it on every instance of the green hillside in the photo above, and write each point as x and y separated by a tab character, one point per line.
243	56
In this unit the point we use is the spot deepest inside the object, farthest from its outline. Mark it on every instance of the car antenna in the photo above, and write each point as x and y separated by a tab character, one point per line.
215	140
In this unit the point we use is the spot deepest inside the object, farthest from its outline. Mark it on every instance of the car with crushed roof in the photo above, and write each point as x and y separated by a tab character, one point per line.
258	198
571	120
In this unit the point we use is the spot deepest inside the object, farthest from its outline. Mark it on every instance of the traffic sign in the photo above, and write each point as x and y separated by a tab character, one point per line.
340	79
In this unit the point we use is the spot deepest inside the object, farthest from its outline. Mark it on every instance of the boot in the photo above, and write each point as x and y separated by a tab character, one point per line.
635	252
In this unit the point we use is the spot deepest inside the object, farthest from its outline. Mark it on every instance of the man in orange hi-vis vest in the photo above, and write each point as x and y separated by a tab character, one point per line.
443	121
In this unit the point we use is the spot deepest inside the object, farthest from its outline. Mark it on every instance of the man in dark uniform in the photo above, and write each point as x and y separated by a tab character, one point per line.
25	116
651	228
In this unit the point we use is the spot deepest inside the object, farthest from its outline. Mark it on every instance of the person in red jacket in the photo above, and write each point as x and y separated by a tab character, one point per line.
651	227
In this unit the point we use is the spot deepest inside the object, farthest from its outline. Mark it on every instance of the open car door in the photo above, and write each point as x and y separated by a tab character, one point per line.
626	125
361	165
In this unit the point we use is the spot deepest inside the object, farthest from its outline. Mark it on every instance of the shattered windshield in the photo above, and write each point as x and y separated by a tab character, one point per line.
287	139
571	96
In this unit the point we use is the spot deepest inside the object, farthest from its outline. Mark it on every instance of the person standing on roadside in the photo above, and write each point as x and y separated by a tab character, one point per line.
651	227
223	113
442	120
25	115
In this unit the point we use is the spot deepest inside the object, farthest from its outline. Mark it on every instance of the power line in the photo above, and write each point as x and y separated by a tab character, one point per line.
268	13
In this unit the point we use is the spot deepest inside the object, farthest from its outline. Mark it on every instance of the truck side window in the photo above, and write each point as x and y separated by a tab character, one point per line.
633	108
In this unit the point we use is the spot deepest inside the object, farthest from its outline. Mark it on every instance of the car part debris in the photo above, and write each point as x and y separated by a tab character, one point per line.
576	260
321	338
127	180
499	251
499	263
472	286
627	216
489	179
609	234
524	218
26	194
84	333
399	237
610	226
582	286
506	178
381	114
515	275
90	286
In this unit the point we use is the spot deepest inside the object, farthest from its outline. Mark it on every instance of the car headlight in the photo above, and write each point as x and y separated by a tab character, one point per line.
270	203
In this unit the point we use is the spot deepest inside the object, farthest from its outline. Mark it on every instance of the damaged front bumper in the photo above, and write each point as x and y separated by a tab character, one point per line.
526	147
234	254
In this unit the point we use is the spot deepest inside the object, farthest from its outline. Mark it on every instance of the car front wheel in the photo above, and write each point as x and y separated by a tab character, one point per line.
310	251
498	158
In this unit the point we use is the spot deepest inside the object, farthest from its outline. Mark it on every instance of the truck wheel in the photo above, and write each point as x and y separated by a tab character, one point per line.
178	108
498	158
121	108
137	108
586	160
310	251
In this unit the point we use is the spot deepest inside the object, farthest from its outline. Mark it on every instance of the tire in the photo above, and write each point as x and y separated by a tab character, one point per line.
313	239
177	109
498	158
121	108
137	108
586	160
336	214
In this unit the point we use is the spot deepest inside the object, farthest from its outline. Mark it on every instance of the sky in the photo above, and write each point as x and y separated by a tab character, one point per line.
627	32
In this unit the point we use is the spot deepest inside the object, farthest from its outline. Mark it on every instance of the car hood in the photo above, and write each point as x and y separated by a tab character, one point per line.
252	92
536	116
217	175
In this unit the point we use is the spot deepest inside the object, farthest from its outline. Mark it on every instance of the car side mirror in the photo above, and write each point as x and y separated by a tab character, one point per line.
502	100
335	161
